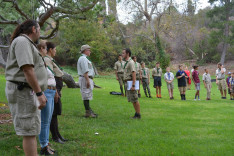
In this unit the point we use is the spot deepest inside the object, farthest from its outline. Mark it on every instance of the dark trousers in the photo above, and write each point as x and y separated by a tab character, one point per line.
54	128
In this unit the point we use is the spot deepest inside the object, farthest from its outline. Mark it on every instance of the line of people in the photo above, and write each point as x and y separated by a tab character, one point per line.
183	77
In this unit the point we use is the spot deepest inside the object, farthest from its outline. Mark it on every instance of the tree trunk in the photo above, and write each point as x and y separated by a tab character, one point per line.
226	31
2	61
69	81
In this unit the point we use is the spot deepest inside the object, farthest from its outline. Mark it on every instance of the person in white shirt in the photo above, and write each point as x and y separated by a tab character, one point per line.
169	78
220	80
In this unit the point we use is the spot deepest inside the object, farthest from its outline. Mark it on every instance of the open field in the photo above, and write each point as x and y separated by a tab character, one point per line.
167	127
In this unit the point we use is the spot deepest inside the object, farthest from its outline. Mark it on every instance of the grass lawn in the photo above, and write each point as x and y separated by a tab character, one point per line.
167	127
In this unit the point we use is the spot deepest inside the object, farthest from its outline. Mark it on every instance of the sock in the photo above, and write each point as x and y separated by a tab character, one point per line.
198	97
86	104
184	97
195	96
181	96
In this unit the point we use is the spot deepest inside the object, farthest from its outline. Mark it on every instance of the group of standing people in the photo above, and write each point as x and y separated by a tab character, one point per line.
33	88
183	77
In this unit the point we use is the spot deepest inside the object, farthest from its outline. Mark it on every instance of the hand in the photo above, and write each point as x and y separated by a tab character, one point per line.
88	84
133	88
56	97
217	82
182	74
42	101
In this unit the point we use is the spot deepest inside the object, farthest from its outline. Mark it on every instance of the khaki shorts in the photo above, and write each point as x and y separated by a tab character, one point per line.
24	110
170	85
182	89
87	93
132	95
222	84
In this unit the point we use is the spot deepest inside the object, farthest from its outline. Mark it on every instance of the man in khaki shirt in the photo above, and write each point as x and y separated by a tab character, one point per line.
157	74
145	79
130	75
119	72
138	72
26	77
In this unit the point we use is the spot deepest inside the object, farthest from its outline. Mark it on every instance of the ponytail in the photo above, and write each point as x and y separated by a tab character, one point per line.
24	28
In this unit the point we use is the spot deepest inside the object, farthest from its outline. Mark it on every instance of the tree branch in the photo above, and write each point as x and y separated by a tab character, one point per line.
15	5
53	32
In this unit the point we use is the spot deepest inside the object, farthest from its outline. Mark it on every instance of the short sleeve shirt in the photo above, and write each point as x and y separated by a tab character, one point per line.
145	73
84	66
119	66
195	76
206	77
168	76
182	80
129	67
138	67
53	66
24	52
157	72
231	81
220	75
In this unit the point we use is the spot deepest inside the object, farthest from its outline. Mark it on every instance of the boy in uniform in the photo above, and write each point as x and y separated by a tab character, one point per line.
169	78
145	79
119	72
138	73
207	83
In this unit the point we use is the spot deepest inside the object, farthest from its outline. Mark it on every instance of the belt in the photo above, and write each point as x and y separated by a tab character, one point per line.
144	78
51	87
120	72
89	76
128	80
21	85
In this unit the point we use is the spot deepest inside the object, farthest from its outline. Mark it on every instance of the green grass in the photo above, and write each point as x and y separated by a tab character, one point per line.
189	128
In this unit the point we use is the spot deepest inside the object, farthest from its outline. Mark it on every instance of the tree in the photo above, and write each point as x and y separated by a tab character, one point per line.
47	13
221	23
151	9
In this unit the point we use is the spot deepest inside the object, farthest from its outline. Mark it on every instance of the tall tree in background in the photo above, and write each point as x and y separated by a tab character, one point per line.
48	14
221	22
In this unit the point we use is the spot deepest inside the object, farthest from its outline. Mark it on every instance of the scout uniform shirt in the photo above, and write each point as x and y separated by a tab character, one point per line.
138	67
129	67
145	73
119	66
53	67
206	77
219	75
84	66
157	72
22	52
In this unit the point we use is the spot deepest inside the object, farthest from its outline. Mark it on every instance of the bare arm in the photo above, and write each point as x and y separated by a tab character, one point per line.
133	79
32	81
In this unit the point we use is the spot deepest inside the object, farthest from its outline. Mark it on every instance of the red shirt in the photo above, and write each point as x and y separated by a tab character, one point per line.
195	75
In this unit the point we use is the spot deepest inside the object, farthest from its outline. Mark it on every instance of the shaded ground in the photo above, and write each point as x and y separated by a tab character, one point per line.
5	118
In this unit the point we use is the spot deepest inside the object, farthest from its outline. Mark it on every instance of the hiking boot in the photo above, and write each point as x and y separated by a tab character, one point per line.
92	114
150	96
139	95
136	116
46	151
87	113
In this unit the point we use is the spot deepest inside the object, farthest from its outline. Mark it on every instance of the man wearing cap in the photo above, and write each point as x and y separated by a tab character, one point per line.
130	76
86	74
119	71
220	80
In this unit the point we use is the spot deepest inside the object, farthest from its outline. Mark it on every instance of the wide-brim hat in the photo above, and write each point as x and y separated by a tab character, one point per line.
84	47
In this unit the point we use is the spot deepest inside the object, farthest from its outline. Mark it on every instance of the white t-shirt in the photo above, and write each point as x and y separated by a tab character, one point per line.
51	79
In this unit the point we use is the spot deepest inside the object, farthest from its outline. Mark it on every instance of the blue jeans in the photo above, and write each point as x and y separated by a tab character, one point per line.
46	115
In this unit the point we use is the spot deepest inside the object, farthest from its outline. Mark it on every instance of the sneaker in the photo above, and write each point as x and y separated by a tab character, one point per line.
195	99
198	99
150	96
224	98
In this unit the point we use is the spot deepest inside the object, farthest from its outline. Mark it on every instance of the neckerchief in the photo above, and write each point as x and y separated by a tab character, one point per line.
136	65
121	64
127	63
181	72
158	70
144	71
168	75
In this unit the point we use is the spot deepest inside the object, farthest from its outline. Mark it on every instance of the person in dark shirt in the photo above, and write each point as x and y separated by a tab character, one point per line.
181	77
196	80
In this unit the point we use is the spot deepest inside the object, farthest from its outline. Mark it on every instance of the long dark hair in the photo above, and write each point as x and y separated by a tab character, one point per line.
24	28
50	45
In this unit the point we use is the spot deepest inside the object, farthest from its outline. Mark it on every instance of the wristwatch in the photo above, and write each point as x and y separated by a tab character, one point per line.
39	94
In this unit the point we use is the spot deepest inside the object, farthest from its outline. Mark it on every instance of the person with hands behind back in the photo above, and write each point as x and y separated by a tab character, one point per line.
26	77
220	80
181	77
